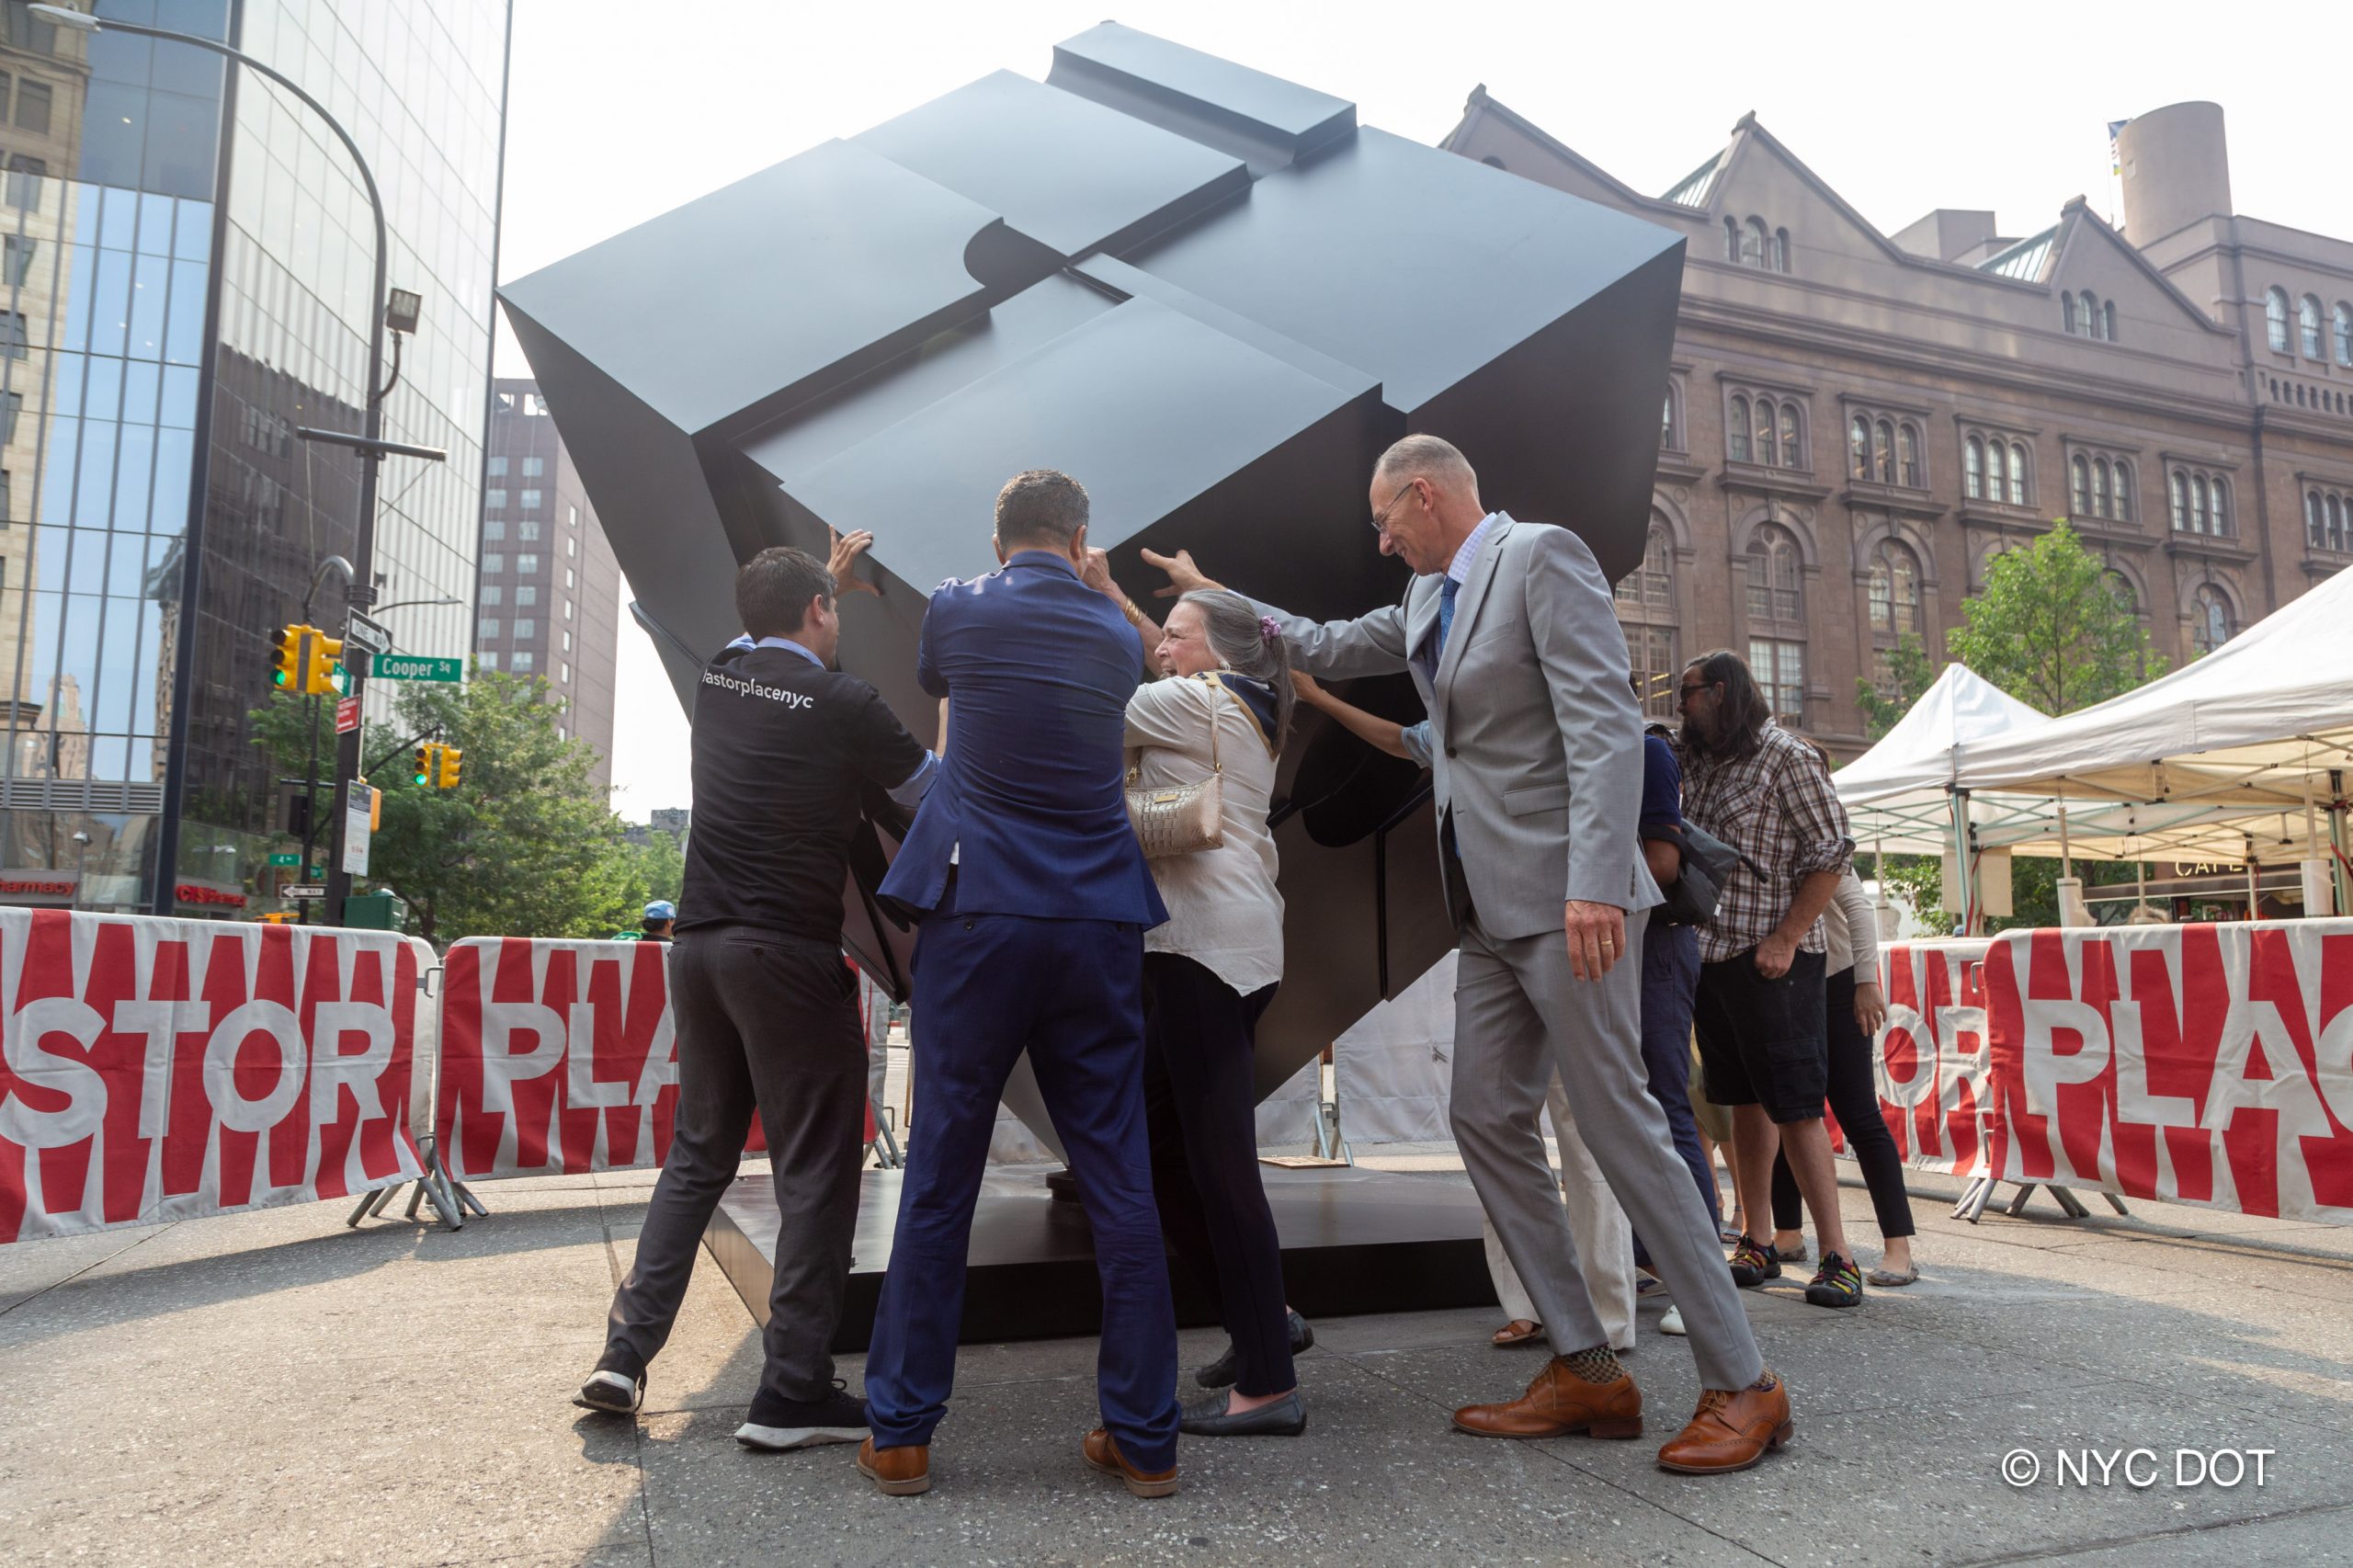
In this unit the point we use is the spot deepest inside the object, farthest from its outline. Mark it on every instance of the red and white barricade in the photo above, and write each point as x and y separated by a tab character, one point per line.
1932	1060
2207	1064
158	1069
556	1058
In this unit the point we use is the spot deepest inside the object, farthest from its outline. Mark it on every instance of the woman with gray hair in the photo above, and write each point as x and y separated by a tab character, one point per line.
1223	705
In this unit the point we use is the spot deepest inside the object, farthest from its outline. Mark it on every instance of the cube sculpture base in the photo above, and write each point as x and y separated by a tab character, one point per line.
1354	1241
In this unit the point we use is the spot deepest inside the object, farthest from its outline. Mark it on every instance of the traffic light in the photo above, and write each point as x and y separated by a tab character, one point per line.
427	762
321	666
293	645
446	779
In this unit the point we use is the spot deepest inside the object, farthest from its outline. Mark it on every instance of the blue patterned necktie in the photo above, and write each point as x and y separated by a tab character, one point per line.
1446	592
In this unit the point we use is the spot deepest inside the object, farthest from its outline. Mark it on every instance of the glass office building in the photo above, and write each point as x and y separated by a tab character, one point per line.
186	254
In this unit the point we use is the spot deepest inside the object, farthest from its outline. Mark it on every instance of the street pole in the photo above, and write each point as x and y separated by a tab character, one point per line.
361	591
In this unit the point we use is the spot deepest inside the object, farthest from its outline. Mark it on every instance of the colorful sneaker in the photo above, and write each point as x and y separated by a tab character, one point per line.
1837	1283
1752	1265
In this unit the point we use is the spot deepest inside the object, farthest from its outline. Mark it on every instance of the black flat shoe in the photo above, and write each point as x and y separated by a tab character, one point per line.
1287	1417
1221	1372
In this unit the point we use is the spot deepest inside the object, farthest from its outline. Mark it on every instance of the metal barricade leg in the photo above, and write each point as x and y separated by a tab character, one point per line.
1972	1206
2116	1204
2017	1204
2071	1203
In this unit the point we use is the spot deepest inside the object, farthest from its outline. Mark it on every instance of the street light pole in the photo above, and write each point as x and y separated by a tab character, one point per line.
360	592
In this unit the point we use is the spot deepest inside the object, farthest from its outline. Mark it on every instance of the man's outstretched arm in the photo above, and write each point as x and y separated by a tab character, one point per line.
1371	644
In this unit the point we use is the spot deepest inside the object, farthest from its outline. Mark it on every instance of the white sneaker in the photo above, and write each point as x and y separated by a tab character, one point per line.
1673	1322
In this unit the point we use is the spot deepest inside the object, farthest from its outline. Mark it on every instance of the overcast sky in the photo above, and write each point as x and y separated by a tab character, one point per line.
617	112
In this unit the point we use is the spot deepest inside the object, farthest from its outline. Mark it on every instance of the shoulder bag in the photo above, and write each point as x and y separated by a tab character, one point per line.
1180	819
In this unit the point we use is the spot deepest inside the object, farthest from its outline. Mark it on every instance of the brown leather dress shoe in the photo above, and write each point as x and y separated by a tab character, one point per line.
1102	1452
1557	1402
1731	1429
896	1472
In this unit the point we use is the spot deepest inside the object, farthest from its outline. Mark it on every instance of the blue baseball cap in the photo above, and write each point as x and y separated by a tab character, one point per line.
661	909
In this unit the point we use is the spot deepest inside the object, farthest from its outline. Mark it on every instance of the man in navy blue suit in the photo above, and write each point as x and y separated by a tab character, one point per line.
1034	898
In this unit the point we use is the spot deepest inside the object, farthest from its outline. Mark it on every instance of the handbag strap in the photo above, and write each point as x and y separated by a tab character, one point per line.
1215	686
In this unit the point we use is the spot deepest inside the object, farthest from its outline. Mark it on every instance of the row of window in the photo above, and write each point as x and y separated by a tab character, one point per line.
1889	448
494	562
2103	487
2328	520
2086	315
1776	609
2309	333
532	467
2297	393
1754	244
495	499
1774	417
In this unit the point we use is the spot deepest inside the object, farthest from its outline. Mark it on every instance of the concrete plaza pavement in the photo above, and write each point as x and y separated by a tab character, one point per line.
275	1388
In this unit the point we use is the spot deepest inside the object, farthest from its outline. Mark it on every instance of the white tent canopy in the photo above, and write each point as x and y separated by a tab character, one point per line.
1900	795
2261	721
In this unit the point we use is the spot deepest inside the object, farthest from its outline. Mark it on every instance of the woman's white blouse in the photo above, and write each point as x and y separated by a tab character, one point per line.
1223	911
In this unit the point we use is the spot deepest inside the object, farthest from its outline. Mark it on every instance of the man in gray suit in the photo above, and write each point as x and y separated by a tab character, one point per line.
1509	632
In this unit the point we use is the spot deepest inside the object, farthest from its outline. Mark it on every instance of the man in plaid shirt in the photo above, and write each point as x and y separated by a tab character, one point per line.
1759	1009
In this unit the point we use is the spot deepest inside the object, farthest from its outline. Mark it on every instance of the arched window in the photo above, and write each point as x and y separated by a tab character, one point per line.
1997	467
2336	523
2212	621
1765	431
1752	243
2308	325
1670	422
2344	314
1907	446
2067	312
1777	621
2108	320
2274	318
1789	435
1736	430
2222	506
1776	596
1858	447
2101	504
1731	240
1973	465
2018	474
1646	614
2120	588
2201	518
2083	477
1885	450
1895	592
2180	502
2314	531
2123	490
1780	250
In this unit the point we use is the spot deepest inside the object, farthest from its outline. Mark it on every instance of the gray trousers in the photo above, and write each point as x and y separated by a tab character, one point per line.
1519	1017
768	1021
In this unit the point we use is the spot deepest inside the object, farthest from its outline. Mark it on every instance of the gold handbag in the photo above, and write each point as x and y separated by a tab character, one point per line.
1180	819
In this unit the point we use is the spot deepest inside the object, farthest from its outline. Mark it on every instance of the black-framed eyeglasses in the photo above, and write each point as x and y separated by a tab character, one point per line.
1381	519
1685	693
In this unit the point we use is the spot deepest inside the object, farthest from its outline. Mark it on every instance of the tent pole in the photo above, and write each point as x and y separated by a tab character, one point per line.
1966	872
2336	838
2066	860
2254	894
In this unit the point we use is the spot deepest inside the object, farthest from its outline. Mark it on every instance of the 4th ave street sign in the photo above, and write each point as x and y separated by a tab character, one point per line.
404	667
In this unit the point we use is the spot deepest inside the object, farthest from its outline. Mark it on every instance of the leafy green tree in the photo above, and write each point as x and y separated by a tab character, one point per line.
526	845
2053	629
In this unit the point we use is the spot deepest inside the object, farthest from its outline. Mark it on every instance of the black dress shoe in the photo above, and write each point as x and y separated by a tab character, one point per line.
1287	1417
1222	1372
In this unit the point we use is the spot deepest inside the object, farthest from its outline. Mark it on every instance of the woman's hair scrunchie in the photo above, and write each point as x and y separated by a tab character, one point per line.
1269	630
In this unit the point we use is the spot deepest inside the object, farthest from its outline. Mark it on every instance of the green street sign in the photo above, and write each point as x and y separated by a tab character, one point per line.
286	859
403	666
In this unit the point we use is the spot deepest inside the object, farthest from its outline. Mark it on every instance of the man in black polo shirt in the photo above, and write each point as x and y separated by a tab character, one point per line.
765	1005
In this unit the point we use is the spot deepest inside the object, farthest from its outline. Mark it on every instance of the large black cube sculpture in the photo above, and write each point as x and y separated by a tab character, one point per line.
1209	294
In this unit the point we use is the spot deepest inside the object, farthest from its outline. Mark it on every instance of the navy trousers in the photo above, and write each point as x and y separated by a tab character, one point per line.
1670	976
987	986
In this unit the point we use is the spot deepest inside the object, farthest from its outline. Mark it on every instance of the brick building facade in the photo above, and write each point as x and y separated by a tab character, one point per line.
1855	422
